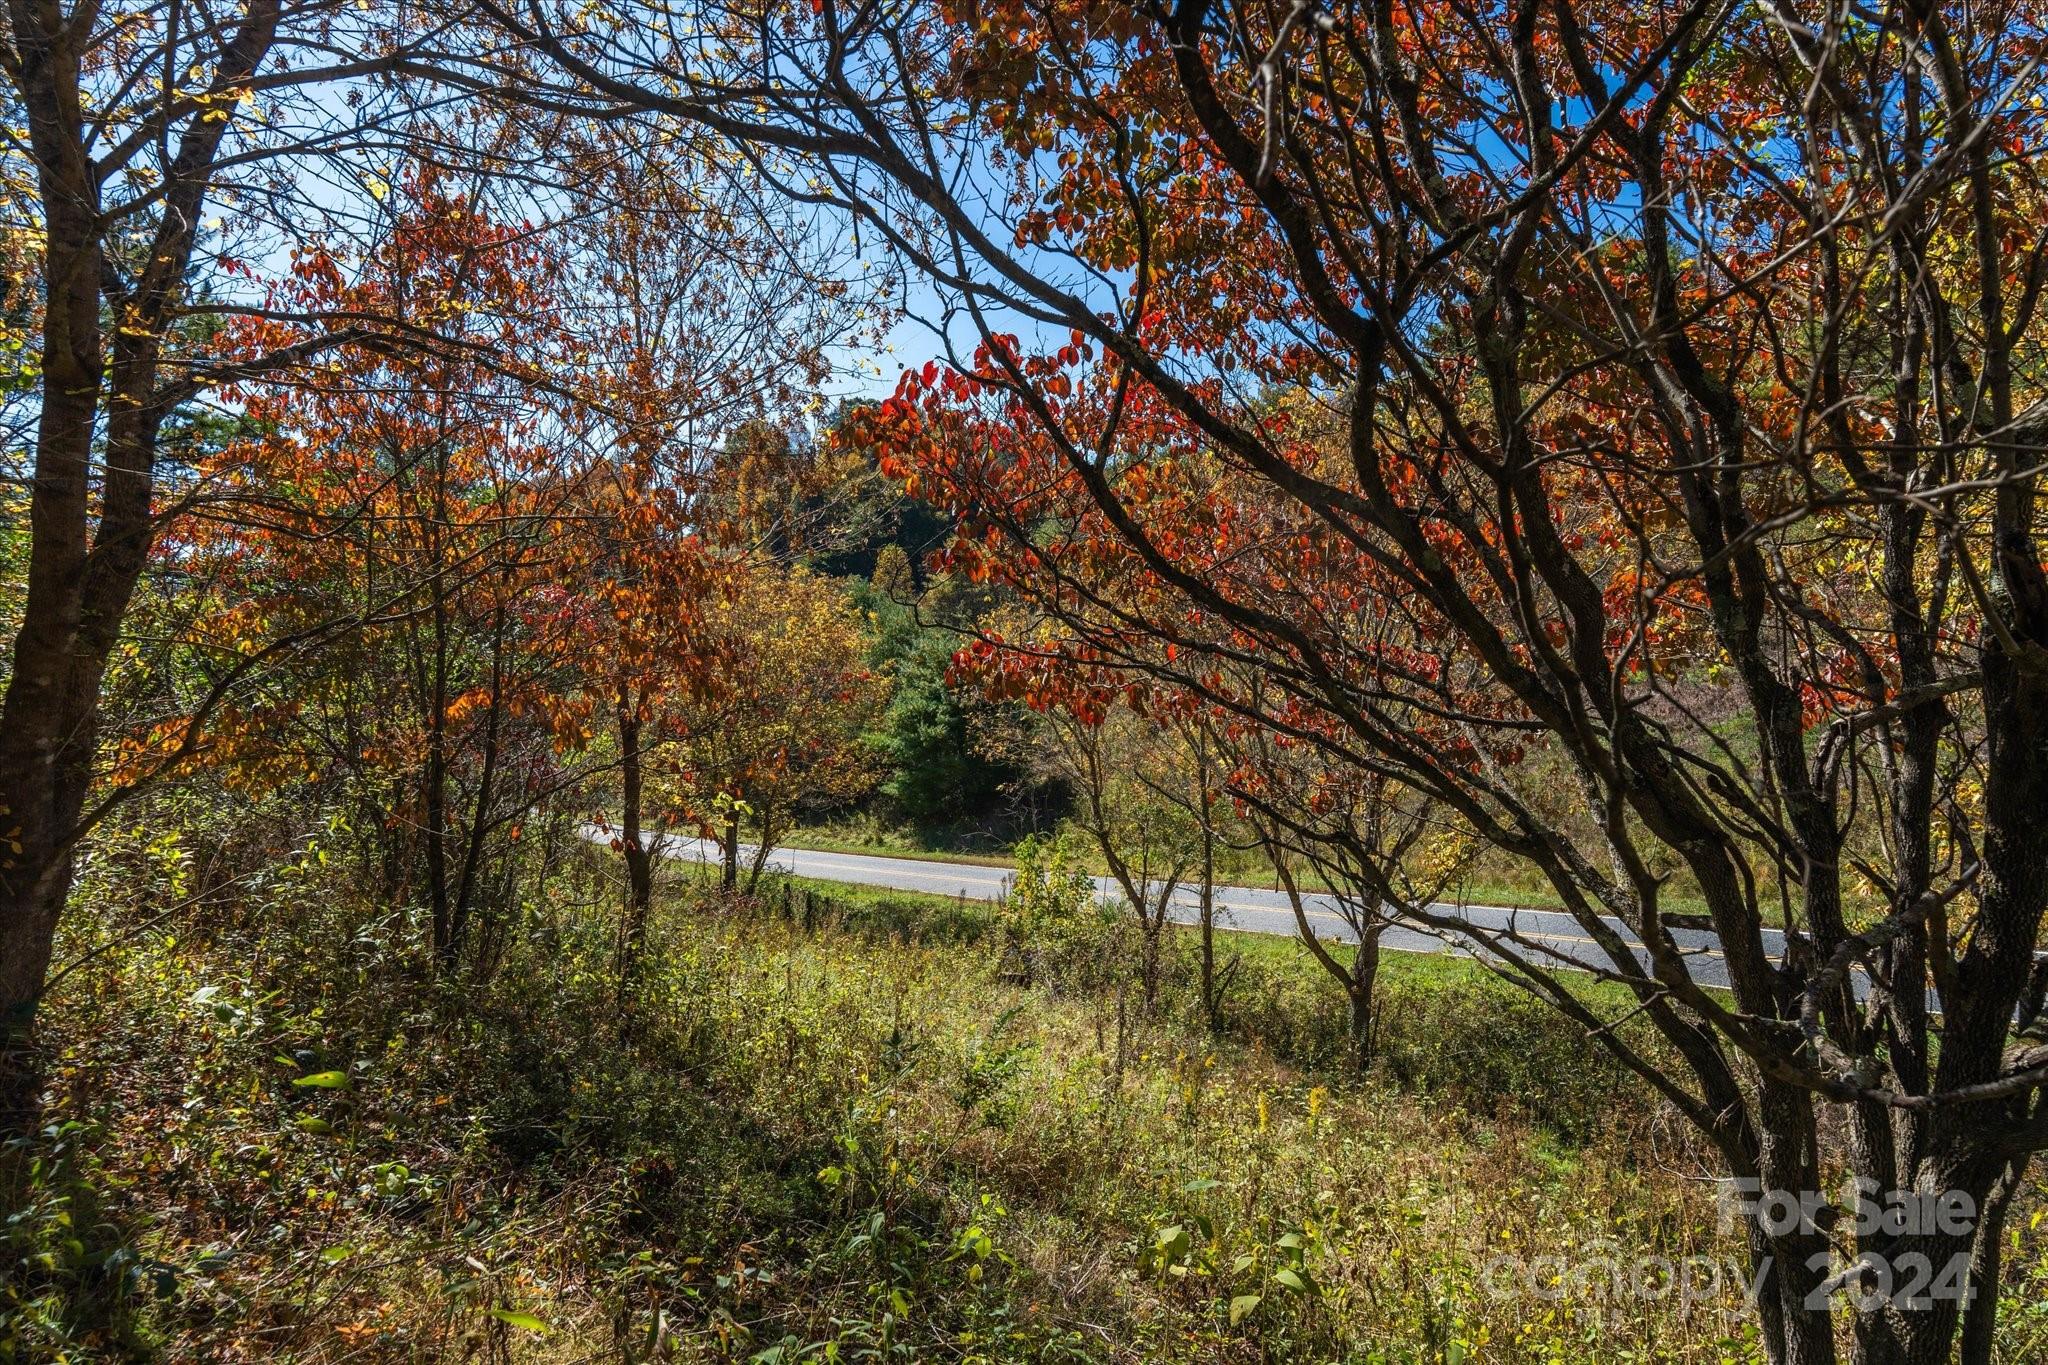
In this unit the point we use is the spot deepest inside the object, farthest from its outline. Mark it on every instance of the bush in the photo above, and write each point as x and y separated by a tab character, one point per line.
1056	930
1493	1049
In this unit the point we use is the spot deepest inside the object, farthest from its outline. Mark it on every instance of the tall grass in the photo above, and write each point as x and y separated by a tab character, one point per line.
276	1137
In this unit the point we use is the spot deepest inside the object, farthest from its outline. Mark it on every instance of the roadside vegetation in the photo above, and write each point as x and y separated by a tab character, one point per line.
859	1141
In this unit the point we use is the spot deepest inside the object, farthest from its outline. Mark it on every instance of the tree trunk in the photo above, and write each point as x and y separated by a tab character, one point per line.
1212	1008
1980	1316
1362	988
45	769
729	850
1150	929
28	930
47	723
1795	1316
639	859
40	803
434	799
466	882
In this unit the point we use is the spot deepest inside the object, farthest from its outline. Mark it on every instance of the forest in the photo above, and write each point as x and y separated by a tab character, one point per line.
1024	680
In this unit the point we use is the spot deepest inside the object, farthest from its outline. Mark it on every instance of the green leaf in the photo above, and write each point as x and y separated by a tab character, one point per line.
1291	1279
311	1124
324	1080
525	1321
1242	1305
1198	1185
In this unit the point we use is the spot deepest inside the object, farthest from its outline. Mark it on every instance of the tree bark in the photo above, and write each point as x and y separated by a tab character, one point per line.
639	859
729	854
1363	993
1212	1007
1980	1316
1150	929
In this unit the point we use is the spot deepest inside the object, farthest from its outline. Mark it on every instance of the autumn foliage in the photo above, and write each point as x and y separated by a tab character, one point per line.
1603	439
1617	426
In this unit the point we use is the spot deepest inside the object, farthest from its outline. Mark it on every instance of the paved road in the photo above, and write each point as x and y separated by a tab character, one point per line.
1258	910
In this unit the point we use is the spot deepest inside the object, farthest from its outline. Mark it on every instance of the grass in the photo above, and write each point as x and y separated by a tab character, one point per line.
1281	997
1282	950
824	840
1275	952
275	1136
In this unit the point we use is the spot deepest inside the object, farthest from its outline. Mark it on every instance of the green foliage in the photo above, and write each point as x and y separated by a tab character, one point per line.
1052	890
945	751
990	1070
923	738
1057	930
66	1280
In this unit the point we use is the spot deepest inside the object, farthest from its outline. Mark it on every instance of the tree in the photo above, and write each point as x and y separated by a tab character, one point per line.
1195	782
699	306
626	606
950	756
893	578
1357	836
1146	771
133	124
1120	766
866	513
403	505
780	718
1654	394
